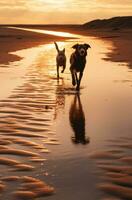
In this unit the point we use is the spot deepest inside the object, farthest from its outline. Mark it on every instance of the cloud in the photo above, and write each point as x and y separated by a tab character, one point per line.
61	11
115	2
12	4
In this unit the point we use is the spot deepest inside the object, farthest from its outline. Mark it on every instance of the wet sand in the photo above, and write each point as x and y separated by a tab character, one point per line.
12	40
120	39
41	152
121	44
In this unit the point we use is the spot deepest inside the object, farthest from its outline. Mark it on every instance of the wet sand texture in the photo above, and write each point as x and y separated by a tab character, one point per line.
26	135
116	169
25	120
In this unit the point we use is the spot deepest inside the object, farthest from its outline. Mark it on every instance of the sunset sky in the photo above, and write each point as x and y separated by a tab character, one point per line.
61	11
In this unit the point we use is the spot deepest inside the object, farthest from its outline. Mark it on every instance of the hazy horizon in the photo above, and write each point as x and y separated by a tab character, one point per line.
61	11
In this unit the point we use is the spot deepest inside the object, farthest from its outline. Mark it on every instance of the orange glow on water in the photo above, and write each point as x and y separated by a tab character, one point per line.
56	33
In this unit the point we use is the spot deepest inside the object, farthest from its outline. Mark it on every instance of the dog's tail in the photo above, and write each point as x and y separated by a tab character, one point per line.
56	45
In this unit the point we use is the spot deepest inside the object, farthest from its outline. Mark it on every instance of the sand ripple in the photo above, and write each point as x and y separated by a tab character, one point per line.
116	165
25	129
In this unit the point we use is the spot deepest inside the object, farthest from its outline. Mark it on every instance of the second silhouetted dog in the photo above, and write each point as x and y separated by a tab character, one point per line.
60	59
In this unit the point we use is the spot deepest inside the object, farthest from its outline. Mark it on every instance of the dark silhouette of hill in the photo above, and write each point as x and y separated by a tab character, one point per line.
113	23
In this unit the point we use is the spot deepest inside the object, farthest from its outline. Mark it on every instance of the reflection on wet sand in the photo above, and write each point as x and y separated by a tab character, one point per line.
60	97
26	134
77	121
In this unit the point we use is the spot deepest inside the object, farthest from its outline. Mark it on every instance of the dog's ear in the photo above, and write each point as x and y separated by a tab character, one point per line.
64	50
75	46
87	46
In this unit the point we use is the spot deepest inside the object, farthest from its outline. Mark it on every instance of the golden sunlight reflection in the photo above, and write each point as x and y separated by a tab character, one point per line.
51	57
56	33
44	111
49	47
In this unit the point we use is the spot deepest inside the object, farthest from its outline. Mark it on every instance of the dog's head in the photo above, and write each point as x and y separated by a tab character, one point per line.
61	52
81	49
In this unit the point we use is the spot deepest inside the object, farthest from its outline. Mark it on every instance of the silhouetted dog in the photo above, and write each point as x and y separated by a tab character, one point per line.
60	59
78	62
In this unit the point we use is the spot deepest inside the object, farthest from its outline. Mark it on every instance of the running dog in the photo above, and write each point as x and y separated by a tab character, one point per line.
78	62
60	59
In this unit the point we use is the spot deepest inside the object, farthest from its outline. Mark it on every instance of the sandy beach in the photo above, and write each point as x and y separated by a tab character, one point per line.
13	40
39	158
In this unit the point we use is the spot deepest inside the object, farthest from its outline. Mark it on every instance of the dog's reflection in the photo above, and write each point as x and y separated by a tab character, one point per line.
60	97
77	121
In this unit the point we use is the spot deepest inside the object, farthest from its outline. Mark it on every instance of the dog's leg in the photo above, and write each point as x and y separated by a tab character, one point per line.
73	77
79	81
64	66
57	71
76	78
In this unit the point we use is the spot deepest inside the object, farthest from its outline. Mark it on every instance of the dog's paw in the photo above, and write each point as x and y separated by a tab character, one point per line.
62	71
73	82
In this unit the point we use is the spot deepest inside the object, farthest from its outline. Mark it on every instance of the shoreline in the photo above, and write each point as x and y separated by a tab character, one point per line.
14	40
33	118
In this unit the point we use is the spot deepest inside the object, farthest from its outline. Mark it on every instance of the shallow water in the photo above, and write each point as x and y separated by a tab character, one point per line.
40	118
56	33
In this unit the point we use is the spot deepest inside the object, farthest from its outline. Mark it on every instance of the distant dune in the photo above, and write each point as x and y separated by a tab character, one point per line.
113	23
